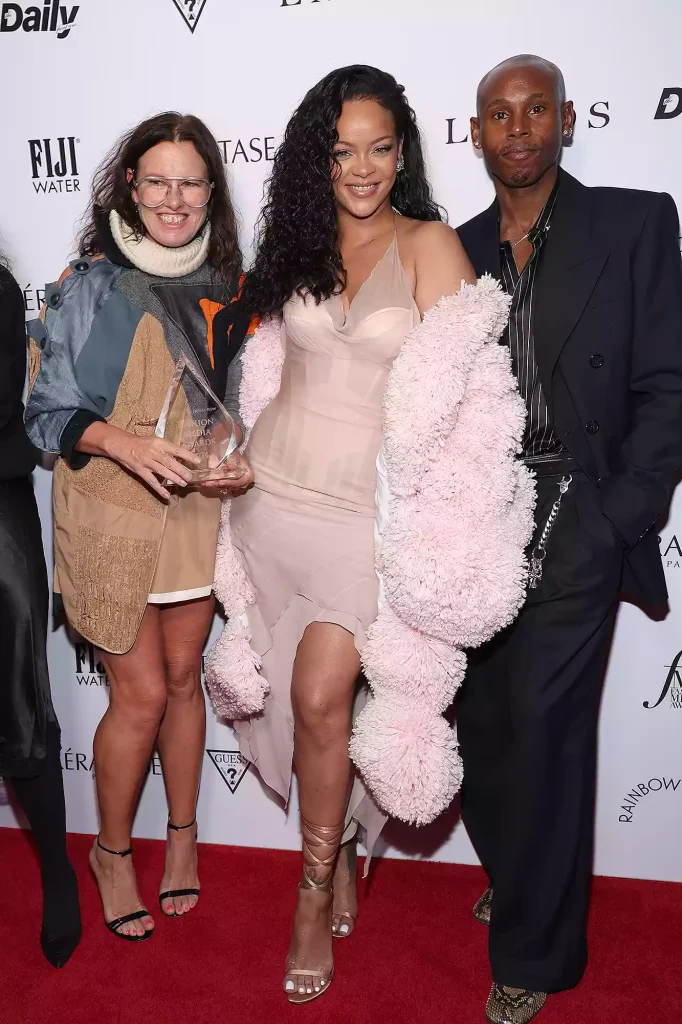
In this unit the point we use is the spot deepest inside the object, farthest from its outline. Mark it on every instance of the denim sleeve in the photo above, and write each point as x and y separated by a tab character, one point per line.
84	337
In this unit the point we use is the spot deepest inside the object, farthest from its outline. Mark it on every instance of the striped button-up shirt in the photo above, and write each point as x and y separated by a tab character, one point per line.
539	439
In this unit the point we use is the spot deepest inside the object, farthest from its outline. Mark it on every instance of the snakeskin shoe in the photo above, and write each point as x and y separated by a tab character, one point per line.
513	1005
482	908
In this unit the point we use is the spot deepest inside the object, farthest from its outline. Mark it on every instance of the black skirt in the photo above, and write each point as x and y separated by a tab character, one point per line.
25	702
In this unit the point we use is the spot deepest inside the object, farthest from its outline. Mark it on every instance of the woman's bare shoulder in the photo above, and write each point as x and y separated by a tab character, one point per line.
429	238
439	261
434	234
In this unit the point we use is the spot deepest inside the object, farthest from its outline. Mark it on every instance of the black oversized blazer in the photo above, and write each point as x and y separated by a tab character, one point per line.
608	344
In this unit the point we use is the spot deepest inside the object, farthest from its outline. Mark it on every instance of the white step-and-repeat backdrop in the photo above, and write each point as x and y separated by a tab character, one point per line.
73	76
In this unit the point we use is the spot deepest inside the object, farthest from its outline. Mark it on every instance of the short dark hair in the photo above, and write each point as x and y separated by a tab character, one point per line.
519	60
112	191
298	249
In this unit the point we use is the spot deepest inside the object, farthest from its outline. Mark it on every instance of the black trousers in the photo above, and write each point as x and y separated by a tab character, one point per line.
527	726
25	701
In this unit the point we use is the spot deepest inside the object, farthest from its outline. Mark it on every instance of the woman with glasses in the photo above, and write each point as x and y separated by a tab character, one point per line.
135	533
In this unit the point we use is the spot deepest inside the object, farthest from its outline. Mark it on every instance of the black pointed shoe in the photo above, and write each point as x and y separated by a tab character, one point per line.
59	949
513	1005
481	910
61	927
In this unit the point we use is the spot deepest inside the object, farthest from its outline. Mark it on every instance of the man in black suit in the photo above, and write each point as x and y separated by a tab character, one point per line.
595	335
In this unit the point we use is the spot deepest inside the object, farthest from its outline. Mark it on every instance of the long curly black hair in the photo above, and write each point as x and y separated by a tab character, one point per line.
111	189
298	249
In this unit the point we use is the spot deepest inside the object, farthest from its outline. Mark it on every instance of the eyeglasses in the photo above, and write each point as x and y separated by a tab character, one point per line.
153	192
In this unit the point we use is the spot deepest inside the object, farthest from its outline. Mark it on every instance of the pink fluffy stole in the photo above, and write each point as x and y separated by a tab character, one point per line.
235	686
451	558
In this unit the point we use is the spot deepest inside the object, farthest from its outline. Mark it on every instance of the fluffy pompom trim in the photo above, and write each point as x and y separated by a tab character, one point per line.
401	661
408	757
262	361
235	687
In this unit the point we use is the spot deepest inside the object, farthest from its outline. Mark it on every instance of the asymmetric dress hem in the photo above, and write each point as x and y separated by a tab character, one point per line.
306	531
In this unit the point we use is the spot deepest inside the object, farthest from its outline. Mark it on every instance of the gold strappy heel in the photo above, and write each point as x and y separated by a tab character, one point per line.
302	985
337	929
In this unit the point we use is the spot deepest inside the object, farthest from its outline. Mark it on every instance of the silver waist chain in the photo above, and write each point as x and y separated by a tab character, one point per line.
540	550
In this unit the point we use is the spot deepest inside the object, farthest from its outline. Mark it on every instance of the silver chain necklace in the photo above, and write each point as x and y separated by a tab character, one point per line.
514	244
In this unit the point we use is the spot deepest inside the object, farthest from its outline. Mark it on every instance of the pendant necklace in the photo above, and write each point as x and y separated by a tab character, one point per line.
514	244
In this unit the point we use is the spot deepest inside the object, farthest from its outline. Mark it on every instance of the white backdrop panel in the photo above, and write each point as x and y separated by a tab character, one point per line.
243	68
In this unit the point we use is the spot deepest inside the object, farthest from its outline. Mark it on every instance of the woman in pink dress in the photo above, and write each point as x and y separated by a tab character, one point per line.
352	254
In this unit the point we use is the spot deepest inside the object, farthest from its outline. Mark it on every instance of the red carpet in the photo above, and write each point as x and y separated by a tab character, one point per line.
417	956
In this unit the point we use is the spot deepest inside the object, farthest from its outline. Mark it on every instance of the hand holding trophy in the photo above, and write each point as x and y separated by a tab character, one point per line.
195	418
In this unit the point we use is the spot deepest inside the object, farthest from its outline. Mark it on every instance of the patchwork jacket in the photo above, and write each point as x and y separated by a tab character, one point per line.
105	348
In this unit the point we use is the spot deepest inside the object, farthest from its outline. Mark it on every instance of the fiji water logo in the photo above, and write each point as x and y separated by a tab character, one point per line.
51	17
54	164
90	671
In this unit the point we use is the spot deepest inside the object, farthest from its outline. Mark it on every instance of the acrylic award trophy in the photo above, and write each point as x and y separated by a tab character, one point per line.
193	417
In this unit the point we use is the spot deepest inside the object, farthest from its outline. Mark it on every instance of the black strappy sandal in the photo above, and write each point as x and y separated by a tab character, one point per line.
114	925
172	893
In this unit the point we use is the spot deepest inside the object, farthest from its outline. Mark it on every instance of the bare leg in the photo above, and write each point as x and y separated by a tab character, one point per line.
123	745
323	680
181	741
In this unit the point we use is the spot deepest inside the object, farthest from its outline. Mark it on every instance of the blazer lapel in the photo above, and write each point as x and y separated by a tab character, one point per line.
570	265
483	247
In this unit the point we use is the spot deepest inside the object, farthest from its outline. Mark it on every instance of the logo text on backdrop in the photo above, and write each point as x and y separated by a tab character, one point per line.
251	152
191	10
52	17
33	299
669	105
231	765
671	552
645	789
89	671
672	685
54	164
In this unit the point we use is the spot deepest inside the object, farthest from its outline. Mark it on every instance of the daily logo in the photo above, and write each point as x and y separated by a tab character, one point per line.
672	686
54	164
191	10
231	765
51	17
669	105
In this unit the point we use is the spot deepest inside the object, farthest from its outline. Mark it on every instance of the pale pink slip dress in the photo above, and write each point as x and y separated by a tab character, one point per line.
305	531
